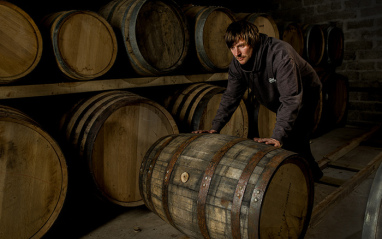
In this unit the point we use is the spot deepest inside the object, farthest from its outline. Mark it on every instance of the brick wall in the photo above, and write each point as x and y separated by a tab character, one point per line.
361	22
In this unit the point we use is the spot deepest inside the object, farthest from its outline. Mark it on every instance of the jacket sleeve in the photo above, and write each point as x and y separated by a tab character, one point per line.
230	99
289	84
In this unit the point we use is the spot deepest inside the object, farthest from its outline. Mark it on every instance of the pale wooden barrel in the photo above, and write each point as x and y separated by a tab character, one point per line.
111	133
220	186
264	22
83	43
314	43
194	107
33	178
292	33
154	33
209	25
21	43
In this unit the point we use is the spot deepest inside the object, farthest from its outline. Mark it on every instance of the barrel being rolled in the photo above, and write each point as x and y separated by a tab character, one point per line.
83	43
154	34
33	177
20	43
194	107
208	26
110	133
220	186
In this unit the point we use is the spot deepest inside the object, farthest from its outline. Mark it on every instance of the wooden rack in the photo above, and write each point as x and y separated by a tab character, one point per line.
25	91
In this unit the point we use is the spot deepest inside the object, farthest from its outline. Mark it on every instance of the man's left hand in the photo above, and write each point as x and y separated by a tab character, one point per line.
271	141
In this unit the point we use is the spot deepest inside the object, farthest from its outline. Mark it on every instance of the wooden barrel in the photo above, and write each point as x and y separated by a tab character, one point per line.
209	25
220	186
194	107
292	33
334	45
21	43
111	133
264	22
83	43
267	120
314	43
373	217
335	97
33	178
154	33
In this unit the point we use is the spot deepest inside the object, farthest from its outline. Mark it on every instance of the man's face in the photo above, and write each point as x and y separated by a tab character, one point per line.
241	51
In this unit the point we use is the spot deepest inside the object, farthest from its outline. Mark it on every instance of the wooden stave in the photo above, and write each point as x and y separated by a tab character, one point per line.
83	124
54	23
190	228
123	14
15	116
38	42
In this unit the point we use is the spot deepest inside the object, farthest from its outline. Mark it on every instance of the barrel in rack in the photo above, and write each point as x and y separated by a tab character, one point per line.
194	107
220	186
154	34
292	33
110	133
207	29
264	22
20	43
33	177
314	43
83	43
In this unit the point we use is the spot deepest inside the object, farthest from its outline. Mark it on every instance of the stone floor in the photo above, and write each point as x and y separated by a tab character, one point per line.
95	220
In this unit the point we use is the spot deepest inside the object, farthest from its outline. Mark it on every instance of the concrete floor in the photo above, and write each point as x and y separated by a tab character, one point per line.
93	219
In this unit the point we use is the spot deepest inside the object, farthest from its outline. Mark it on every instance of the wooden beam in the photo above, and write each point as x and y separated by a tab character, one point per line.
347	147
25	91
321	208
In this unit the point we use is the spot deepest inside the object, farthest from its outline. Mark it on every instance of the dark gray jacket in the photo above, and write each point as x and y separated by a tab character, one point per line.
280	79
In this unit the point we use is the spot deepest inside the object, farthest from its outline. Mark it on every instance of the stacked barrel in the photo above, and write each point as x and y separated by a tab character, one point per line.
105	136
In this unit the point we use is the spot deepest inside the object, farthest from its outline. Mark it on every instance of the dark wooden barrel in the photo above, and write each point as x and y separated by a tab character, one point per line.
314	43
209	25
33	178
373	217
264	22
335	97
111	133
334	45
154	33
292	33
21	43
220	186
83	43
194	107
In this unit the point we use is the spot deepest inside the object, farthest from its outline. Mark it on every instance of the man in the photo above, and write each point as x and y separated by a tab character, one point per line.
280	79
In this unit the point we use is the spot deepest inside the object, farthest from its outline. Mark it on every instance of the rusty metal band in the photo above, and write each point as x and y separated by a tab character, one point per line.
240	189
148	201
259	191
205	184
167	177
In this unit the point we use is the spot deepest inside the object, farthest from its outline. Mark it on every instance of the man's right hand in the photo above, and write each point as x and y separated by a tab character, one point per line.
211	131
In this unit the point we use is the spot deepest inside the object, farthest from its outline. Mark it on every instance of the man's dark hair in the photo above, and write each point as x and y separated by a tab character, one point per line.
242	30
